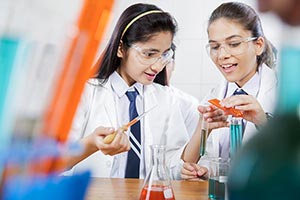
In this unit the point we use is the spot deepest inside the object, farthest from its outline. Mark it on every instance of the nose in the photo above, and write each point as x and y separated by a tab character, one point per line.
157	67
223	52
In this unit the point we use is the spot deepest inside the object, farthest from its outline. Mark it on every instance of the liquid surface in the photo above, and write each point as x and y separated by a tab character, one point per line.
157	193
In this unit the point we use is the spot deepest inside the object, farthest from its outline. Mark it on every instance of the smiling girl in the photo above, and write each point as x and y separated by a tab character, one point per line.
240	51
133	66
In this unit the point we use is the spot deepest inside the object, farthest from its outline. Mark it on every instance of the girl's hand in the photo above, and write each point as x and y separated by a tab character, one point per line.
120	143
214	116
193	172
94	142
248	104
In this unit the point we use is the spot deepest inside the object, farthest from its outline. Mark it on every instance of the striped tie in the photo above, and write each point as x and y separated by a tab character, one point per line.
133	158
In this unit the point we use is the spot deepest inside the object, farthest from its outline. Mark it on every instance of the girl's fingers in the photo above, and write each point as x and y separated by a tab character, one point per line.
237	100
103	131
188	175
124	144
192	172
202	171
188	166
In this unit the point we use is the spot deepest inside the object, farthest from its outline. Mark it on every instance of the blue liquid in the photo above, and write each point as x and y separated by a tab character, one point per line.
216	190
236	136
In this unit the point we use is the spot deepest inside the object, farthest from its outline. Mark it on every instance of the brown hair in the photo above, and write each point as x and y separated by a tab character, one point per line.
249	19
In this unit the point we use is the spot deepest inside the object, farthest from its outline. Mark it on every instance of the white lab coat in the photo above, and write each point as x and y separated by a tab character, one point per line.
165	118
188	105
266	97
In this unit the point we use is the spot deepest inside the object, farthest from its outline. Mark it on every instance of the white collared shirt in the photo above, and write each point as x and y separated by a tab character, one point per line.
120	87
251	87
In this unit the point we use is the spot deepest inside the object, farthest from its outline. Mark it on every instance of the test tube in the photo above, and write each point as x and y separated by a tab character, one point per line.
203	136
236	134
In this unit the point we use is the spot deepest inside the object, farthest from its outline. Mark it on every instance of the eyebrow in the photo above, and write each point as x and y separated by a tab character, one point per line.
156	50
228	38
151	49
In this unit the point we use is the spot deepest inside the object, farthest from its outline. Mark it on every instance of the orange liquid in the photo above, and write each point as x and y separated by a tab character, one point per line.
157	193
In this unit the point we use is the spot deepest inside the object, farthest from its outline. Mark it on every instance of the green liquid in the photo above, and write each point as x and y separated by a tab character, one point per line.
203	142
216	190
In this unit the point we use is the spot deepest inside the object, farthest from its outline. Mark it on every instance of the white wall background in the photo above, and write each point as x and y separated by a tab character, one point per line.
194	72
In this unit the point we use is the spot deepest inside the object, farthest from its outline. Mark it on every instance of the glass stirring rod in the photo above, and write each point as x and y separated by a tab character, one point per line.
109	138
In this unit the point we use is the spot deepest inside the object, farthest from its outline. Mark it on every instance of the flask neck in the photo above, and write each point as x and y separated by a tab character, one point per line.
158	155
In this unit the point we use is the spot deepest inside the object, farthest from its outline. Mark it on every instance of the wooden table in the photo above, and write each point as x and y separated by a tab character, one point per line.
115	188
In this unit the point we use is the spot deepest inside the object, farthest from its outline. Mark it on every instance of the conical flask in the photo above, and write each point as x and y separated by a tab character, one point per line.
157	184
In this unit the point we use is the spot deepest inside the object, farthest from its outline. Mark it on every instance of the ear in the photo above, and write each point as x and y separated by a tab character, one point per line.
120	52
260	46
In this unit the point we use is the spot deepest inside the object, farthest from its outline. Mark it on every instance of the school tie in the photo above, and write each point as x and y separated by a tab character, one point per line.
133	158
240	91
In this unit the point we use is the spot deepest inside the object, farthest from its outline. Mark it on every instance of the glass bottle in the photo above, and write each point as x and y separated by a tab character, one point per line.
236	134
268	166
157	184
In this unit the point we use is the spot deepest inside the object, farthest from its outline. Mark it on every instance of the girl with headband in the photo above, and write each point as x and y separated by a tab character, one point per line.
134	60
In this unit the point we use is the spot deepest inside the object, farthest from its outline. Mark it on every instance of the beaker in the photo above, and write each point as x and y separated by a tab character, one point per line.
236	134
157	184
217	182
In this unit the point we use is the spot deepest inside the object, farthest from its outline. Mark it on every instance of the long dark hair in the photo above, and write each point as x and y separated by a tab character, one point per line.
139	31
249	19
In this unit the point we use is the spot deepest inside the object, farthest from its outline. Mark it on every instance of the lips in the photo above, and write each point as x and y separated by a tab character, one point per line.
150	76
228	68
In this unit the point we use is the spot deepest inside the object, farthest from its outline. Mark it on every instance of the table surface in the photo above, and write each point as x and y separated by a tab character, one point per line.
117	188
